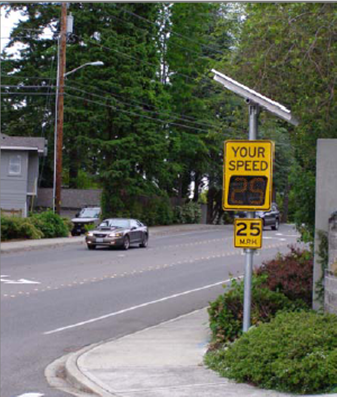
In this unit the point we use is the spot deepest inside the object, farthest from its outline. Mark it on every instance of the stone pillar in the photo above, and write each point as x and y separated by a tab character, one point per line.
326	200
332	236
330	279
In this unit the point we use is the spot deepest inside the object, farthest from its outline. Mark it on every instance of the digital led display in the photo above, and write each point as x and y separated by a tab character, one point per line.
247	190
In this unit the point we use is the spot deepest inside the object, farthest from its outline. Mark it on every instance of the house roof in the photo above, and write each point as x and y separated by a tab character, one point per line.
23	143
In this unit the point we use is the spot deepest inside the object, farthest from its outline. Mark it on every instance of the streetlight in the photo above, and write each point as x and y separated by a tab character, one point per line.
97	63
58	133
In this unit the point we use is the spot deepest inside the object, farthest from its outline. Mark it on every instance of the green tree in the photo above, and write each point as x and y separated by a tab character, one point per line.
288	52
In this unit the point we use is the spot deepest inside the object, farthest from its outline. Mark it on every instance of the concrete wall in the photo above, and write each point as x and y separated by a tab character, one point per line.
330	279
13	194
71	199
326	196
332	237
330	295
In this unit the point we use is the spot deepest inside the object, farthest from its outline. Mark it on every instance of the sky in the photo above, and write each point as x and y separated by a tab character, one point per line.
7	25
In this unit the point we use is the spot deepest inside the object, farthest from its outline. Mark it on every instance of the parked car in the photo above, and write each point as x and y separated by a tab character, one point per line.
87	216
118	232
270	218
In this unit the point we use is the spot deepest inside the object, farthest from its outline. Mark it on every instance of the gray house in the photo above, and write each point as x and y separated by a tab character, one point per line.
19	172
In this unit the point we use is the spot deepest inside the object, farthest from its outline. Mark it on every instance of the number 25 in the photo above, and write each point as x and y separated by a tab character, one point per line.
254	227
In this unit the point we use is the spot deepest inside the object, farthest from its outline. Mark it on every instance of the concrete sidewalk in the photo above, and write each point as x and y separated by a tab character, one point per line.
161	361
26	245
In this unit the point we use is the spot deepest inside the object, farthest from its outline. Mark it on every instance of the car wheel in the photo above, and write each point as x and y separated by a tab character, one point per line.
126	243
276	226
91	247
145	241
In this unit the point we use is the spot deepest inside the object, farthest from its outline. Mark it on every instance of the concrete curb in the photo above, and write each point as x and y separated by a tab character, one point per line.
7	247
29	245
76	378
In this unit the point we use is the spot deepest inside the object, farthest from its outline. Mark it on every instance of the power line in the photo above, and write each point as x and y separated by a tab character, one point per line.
28	77
145	104
141	60
170	114
19	37
145	110
27	86
169	31
25	93
170	43
151	106
136	114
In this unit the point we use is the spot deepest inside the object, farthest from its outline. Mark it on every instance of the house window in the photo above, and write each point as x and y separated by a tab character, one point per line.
14	165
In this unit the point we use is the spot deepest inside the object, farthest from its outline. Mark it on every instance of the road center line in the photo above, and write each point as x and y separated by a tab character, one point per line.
93	320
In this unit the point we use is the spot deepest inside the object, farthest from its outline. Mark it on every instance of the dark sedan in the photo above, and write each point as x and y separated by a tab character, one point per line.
118	232
269	218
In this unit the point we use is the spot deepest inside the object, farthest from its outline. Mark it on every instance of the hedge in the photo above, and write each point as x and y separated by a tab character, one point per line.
294	352
36	226
226	312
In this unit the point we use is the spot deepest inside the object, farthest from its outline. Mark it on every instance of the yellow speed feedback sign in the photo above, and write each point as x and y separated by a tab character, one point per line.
248	233
248	171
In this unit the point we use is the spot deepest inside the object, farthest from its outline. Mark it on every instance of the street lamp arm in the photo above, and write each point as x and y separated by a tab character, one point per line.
98	63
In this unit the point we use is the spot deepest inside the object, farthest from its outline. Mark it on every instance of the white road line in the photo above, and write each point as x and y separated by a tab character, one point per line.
4	279
287	235
93	320
273	238
31	395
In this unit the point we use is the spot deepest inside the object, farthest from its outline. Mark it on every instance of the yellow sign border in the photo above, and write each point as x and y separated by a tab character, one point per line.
248	220
269	188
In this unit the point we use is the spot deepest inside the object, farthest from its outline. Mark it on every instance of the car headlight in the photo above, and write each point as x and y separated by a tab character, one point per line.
115	234
90	234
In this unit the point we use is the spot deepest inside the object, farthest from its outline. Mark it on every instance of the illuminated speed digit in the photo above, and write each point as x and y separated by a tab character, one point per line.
237	190
254	188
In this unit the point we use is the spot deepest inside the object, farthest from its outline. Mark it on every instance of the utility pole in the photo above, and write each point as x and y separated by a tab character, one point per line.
60	106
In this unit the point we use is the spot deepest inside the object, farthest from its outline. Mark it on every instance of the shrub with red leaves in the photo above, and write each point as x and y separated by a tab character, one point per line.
291	274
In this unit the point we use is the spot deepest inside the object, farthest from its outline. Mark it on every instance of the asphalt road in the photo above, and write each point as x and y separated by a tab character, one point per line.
58	300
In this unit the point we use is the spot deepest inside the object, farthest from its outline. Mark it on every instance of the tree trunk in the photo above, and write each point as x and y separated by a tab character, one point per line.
284	218
210	205
73	166
196	187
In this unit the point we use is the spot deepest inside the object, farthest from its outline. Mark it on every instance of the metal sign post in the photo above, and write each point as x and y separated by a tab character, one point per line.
242	190
247	299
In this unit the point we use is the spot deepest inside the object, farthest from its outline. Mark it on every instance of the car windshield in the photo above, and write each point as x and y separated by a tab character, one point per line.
89	213
116	223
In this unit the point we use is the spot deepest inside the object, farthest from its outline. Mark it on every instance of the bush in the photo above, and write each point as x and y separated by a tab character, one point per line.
188	213
226	312
51	225
150	210
157	212
295	352
28	230
291	274
68	223
18	228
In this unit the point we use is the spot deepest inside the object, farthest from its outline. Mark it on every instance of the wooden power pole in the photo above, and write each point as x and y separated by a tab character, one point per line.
60	106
